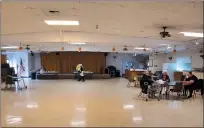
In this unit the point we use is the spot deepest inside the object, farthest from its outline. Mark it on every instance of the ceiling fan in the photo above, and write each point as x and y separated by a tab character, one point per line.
27	47
164	30
164	33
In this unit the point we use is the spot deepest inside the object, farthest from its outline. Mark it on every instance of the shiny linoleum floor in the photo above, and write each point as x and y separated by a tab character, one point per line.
65	103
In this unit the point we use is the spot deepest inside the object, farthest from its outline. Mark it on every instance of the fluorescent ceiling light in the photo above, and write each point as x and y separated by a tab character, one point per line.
78	123
137	118
32	105
61	22
141	48
192	34
78	43
81	109
9	47
128	106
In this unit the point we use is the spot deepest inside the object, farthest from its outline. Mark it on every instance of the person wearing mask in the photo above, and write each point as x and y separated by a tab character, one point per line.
190	83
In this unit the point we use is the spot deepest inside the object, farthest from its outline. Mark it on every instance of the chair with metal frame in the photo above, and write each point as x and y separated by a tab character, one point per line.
148	86
178	88
11	80
131	80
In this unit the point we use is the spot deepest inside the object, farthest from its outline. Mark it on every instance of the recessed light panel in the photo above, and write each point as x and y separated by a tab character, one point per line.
61	22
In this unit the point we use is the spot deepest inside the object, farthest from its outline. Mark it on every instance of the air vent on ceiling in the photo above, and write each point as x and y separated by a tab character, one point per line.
51	12
54	12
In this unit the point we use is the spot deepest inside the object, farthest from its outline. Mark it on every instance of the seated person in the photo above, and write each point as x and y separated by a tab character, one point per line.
165	78
146	78
42	70
190	83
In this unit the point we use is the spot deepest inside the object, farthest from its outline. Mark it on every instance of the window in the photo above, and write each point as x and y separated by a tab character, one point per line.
126	64
183	64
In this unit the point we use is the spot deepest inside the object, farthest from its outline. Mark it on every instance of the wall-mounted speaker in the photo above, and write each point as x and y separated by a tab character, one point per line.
57	53
31	53
105	54
114	57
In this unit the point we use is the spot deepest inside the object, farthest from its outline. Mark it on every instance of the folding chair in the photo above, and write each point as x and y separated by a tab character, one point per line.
178	89
131	80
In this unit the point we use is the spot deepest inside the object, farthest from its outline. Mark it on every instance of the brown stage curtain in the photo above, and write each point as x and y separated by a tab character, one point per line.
65	62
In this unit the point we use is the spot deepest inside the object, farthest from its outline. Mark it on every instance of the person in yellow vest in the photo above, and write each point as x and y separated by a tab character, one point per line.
78	67
80	70
82	73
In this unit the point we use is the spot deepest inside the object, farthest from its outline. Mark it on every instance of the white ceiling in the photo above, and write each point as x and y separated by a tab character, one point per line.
119	23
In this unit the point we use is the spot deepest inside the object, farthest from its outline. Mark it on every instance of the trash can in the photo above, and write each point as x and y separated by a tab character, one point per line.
33	75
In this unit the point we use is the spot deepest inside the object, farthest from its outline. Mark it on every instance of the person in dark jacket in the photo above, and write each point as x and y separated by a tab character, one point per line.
145	78
190	83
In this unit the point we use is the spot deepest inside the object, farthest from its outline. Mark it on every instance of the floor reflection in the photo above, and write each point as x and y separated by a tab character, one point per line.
14	119
29	105
174	104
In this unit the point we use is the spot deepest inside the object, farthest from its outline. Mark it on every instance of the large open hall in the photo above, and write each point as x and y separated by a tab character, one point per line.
102	63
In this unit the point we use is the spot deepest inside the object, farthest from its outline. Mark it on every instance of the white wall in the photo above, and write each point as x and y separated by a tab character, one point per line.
14	60
35	61
29	62
197	61
121	59
159	60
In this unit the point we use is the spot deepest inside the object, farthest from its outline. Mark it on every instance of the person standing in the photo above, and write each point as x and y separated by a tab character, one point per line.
82	73
78	69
